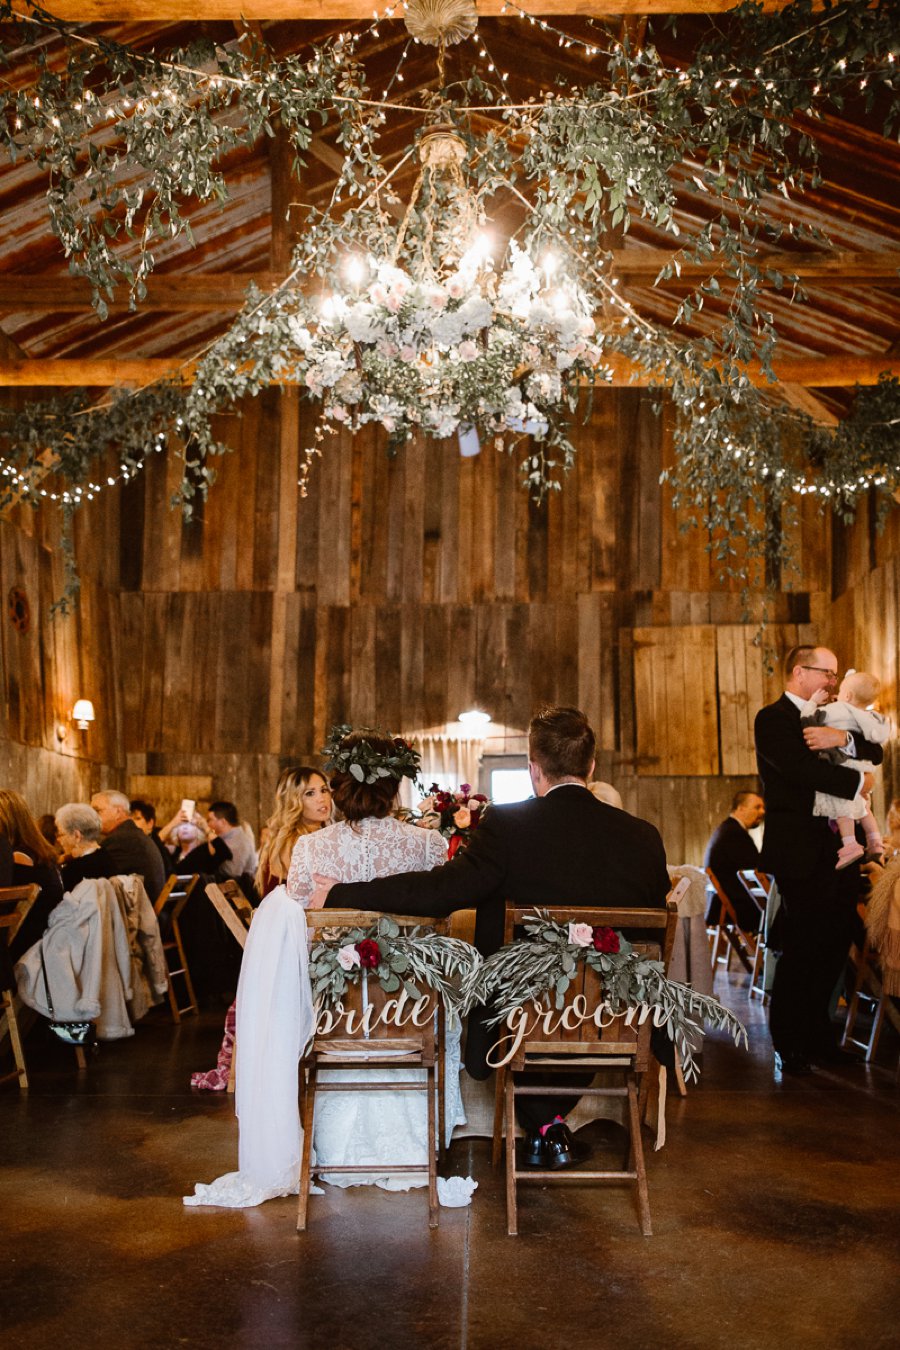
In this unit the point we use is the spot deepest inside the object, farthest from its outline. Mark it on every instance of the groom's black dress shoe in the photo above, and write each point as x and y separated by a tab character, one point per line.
533	1150
793	1064
562	1149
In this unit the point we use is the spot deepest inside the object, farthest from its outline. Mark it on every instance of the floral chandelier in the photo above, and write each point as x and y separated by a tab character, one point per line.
430	332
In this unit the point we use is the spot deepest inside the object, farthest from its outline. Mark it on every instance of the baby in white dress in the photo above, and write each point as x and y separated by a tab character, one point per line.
851	712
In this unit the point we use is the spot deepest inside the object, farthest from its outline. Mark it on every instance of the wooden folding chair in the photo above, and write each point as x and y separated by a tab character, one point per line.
233	907
15	902
728	933
172	899
869	996
758	886
417	1046
236	912
618	1047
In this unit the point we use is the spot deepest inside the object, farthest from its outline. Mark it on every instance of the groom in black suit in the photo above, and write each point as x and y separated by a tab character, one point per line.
564	847
800	850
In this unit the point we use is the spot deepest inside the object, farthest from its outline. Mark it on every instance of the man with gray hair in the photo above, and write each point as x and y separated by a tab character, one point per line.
127	847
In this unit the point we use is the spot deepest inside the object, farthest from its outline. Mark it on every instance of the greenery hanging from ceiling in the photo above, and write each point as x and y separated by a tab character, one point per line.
130	141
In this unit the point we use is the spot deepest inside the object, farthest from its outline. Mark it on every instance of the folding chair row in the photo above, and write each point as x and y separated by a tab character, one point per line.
15	902
729	937
169	906
868	996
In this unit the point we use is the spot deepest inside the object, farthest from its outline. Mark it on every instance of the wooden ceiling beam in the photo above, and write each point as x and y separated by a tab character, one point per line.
811	372
174	11
202	292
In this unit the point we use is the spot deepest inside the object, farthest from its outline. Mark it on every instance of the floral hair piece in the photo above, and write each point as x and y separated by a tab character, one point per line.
366	764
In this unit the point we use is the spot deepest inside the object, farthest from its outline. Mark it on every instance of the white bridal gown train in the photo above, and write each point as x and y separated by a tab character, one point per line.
275	1020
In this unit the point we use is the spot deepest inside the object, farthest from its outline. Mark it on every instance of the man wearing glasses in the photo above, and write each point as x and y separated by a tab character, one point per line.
800	850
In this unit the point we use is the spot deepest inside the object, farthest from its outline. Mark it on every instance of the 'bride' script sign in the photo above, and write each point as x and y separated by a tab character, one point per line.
398	1012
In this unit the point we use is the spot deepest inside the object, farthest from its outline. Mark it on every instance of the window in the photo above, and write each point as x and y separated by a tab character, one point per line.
505	778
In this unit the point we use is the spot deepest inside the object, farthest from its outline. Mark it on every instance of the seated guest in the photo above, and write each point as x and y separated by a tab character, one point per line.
34	863
127	847
79	834
605	792
224	823
892	831
47	826
731	850
193	849
144	816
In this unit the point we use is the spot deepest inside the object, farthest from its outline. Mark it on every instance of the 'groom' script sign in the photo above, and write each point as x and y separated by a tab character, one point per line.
537	1019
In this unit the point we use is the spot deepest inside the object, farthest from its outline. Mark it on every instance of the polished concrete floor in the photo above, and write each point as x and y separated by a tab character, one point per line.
776	1212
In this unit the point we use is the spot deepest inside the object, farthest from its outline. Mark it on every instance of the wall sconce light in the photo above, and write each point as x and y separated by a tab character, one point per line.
83	714
474	719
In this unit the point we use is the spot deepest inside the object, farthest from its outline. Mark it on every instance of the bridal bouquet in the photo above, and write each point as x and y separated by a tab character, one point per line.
455	814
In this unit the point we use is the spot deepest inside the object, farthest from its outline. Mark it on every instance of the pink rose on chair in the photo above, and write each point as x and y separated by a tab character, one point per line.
369	953
580	934
348	957
606	940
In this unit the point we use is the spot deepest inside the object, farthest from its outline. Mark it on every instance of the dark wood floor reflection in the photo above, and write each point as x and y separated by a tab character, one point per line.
775	1214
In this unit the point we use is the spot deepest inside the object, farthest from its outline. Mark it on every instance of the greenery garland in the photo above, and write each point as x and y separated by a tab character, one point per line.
543	966
408	961
128	138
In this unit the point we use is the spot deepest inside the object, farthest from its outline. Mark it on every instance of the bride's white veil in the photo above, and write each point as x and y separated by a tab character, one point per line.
275	1020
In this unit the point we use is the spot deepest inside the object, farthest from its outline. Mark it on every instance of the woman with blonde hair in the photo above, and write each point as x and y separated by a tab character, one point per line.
34	863
302	806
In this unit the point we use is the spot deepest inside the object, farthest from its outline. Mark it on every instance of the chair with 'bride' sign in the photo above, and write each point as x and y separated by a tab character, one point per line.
567	1039
361	1040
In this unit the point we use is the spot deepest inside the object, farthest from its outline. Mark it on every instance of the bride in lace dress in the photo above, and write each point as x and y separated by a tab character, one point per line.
371	1127
275	1015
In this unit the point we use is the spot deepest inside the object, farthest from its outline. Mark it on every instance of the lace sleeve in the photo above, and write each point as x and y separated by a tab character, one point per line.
300	882
435	849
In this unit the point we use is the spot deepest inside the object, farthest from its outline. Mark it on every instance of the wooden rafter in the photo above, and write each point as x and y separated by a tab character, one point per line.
816	372
175	11
207	292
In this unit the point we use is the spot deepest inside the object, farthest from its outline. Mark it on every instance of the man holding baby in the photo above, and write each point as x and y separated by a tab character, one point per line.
819	885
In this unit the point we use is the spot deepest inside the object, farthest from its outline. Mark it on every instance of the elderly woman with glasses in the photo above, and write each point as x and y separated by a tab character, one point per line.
78	826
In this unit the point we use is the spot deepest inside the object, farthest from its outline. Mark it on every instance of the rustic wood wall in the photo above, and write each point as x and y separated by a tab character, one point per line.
401	591
58	660
864	619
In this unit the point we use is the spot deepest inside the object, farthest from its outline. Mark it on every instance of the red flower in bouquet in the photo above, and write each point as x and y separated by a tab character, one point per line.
606	940
455	814
370	953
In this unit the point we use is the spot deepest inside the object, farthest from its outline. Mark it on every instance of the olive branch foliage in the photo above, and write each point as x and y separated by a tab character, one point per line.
131	140
409	960
540	969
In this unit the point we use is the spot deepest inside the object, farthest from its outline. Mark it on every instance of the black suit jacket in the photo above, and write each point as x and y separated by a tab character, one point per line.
130	850
796	843
731	850
566	848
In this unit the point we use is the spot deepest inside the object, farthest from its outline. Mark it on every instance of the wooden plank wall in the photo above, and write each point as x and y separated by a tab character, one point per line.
399	592
864	627
58	660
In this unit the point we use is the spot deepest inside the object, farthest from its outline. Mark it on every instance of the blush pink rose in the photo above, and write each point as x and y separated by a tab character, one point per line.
580	934
462	818
348	957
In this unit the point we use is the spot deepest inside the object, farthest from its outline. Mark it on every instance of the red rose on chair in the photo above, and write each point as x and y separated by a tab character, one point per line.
370	953
606	940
